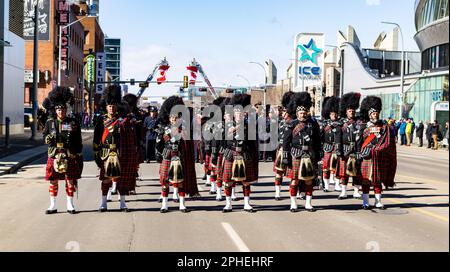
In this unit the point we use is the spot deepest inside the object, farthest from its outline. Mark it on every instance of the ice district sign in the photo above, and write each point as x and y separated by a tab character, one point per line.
309	60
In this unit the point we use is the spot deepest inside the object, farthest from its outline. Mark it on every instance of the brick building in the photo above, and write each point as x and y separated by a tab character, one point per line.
59	12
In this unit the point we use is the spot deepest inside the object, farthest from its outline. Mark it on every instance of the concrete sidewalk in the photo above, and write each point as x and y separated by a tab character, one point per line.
14	161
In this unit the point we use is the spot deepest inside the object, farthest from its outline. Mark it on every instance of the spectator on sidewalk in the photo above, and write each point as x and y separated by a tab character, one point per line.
403	132
419	133
429	135
408	131
435	130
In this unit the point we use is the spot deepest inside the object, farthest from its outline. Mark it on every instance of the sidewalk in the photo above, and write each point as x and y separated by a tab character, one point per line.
19	143
23	152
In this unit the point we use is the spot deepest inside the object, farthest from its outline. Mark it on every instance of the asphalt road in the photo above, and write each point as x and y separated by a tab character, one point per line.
417	218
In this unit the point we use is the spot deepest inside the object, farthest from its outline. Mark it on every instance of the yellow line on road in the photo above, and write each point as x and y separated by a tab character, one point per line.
422	211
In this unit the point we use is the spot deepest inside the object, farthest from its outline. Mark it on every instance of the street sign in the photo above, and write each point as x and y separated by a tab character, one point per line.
101	72
29	76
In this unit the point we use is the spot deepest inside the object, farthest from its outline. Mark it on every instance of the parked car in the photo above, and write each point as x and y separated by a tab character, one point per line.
28	117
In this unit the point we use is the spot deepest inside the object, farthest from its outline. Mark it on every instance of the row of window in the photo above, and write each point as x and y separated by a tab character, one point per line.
435	57
433	10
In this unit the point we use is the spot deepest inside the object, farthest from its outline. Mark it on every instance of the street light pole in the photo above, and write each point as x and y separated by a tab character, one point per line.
265	80
402	83
35	74
341	52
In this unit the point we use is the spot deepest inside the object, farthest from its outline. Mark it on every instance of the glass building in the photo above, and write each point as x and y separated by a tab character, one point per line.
113	57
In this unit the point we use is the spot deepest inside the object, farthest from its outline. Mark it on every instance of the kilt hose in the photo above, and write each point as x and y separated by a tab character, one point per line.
341	172
74	169
218	170
251	172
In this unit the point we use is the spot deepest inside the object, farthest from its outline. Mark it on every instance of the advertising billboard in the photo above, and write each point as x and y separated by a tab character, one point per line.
309	60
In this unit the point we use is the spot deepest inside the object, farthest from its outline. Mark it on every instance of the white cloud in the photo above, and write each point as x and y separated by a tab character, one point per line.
373	2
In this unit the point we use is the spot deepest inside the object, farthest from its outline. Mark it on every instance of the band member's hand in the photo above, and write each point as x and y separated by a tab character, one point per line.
367	152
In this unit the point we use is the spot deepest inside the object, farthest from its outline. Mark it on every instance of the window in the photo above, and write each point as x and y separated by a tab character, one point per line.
443	55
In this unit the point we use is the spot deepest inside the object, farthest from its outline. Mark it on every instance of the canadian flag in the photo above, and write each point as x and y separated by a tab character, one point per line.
194	71
162	74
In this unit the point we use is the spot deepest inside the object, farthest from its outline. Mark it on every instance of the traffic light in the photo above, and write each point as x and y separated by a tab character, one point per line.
132	82
143	85
186	82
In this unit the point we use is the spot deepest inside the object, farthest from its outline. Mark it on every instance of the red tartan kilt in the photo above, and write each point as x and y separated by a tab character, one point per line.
294	171
367	171
73	171
250	171
326	161
164	170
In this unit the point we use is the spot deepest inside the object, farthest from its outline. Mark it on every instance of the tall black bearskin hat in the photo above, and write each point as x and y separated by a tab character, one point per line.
223	106
350	101
132	101
330	104
369	105
243	100
167	106
300	102
111	96
59	97
287	98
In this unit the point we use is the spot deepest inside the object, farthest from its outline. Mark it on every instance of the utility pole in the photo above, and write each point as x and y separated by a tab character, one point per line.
35	73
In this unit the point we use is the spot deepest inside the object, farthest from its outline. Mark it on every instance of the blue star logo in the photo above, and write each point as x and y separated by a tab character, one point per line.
312	47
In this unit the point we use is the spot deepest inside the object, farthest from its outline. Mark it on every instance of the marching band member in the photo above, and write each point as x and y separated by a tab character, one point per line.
114	147
279	168
352	129
302	139
63	137
379	153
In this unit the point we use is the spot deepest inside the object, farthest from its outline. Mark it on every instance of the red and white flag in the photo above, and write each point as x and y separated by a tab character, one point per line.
193	75
162	74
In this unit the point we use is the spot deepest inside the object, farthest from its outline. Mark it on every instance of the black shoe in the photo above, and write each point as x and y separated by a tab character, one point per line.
294	210
250	211
311	210
366	208
325	191
227	211
185	211
383	208
278	199
342	197
204	177
125	210
72	212
176	201
160	200
48	212
102	210
164	211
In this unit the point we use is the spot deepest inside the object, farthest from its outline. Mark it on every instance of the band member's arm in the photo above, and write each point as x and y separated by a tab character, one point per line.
287	143
49	136
338	141
98	133
317	145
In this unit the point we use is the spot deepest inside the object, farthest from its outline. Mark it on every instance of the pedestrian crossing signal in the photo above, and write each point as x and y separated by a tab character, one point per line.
186	82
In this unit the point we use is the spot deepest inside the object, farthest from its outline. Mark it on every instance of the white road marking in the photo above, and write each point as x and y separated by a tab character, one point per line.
235	237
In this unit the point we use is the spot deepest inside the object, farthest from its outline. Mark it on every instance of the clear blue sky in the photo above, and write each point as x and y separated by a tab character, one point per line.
224	35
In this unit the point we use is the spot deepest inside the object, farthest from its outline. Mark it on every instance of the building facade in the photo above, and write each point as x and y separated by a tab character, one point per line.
113	57
60	13
12	62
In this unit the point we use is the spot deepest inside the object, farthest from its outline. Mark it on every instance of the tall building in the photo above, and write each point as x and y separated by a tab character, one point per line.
53	14
12	62
113	57
272	73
